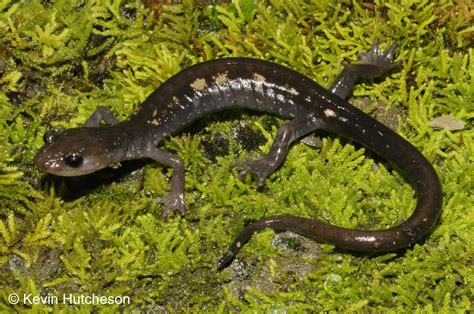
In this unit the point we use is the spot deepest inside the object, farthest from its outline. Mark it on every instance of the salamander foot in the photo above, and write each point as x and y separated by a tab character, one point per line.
259	169
173	201
382	59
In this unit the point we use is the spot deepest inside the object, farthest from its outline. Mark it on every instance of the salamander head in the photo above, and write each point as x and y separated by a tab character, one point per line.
80	151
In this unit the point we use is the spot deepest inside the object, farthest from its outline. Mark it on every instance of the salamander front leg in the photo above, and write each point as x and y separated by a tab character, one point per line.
287	133
99	115
174	200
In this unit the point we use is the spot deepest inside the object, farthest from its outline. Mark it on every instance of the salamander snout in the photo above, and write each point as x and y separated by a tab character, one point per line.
59	163
79	151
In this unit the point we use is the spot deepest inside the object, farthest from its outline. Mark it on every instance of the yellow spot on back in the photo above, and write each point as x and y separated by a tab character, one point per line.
259	77
199	84
329	113
221	78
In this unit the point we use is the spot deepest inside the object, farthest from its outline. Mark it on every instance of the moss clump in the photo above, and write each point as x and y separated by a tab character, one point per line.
59	60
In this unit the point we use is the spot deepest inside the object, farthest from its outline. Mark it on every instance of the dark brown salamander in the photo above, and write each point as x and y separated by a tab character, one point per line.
255	84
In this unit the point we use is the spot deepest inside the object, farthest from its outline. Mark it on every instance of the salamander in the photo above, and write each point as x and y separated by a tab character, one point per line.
248	83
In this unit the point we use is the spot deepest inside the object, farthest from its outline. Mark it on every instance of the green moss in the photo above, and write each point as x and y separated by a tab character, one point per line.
59	60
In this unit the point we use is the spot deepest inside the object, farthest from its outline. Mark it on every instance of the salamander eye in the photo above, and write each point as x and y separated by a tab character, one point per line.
73	160
49	136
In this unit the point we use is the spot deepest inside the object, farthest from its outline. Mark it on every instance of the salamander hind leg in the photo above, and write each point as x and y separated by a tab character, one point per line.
372	64
287	133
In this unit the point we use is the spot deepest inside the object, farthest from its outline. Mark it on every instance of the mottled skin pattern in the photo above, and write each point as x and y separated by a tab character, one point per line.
259	85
